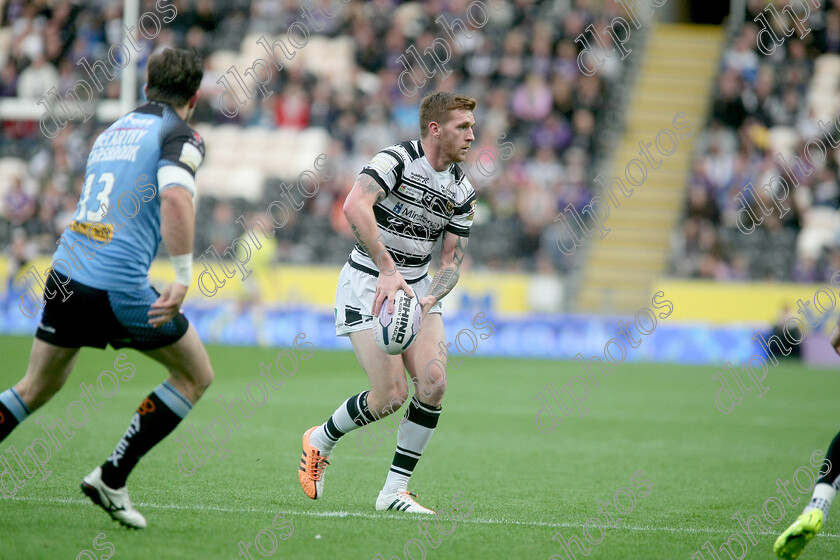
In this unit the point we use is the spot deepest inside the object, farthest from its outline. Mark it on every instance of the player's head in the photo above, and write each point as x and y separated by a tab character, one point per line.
446	122
173	78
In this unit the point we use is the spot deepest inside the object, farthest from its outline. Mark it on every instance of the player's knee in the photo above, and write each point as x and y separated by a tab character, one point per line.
433	382
205	380
434	392
440	388
196	381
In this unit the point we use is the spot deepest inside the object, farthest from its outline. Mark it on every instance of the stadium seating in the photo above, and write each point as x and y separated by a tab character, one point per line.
251	151
778	101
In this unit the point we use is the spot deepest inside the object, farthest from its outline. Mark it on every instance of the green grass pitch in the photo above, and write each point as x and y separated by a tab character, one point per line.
524	486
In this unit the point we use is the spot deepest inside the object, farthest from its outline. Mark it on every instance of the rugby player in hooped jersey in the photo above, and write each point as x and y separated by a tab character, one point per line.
101	271
406	198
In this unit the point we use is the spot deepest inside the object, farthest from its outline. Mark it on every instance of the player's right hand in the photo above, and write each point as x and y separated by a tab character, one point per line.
168	305
386	289
835	338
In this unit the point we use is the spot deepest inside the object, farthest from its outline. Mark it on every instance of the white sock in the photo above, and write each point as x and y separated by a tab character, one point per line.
416	429
352	414
822	498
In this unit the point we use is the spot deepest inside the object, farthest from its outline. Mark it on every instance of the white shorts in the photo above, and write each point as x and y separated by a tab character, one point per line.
354	299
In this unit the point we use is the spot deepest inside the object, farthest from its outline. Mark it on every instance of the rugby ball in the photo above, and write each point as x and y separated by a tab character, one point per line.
394	332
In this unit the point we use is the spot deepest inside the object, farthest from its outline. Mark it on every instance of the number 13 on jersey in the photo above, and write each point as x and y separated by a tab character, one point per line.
103	197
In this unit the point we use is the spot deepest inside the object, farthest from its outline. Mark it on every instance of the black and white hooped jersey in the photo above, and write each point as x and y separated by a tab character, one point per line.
420	204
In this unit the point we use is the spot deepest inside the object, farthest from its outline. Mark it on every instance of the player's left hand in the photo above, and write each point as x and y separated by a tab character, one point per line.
167	305
426	303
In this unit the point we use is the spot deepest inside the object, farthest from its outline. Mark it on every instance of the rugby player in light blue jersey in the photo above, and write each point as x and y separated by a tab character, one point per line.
139	188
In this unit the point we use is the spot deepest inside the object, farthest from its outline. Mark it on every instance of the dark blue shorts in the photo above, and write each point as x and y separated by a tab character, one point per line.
96	318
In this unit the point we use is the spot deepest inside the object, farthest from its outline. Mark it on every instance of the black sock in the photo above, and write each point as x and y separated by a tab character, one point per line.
13	411
157	416
831	465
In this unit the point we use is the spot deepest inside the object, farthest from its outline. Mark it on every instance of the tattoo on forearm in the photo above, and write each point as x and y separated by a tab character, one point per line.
359	239
447	277
444	281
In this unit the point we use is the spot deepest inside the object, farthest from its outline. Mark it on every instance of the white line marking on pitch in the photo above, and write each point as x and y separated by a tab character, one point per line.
363	515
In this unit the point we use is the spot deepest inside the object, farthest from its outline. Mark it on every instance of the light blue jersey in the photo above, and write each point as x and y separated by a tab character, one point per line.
115	231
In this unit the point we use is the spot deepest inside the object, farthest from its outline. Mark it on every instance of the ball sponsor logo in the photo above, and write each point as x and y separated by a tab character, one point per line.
403	314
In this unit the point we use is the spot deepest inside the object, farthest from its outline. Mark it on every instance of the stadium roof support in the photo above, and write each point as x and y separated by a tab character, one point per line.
128	78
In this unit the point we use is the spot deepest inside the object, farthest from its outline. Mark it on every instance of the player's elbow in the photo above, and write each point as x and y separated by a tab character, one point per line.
178	200
351	209
450	263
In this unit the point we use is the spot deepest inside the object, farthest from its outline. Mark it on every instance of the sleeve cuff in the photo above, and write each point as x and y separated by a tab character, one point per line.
174	176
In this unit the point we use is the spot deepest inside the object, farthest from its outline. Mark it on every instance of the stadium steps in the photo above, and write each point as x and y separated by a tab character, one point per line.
676	76
649	258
